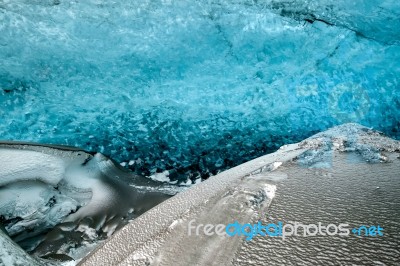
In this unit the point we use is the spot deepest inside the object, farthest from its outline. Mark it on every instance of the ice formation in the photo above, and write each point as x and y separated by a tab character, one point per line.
12	254
195	87
339	185
60	202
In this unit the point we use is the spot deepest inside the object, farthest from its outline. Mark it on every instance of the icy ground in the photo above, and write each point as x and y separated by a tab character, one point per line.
195	87
58	203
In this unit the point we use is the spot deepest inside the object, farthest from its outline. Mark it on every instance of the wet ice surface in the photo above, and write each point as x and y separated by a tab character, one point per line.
195	88
58	203
340	185
333	195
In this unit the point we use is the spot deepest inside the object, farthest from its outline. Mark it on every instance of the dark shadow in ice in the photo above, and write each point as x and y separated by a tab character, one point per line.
62	200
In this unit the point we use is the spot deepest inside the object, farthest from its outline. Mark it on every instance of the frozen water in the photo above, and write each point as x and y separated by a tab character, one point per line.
56	201
12	254
195	87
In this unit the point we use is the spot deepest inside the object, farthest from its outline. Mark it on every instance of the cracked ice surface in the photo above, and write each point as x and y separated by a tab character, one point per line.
195	87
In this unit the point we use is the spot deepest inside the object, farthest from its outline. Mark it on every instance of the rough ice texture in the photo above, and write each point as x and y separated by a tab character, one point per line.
60	202
342	191
12	254
195	87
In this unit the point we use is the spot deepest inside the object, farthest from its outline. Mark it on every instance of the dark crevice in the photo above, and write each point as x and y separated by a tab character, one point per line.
313	18
88	159
286	9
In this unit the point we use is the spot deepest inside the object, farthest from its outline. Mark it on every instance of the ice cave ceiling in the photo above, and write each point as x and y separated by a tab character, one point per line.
195	86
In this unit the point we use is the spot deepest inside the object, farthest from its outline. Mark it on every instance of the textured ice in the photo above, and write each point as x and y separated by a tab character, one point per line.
12	254
57	201
276	187
195	87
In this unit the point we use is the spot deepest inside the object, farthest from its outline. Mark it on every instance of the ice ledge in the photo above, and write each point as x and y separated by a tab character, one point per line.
347	136
150	238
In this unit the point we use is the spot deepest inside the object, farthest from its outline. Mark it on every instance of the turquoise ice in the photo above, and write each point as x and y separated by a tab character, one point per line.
195	87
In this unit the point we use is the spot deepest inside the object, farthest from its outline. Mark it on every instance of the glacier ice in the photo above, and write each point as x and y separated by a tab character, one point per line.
12	254
195	87
60	201
343	193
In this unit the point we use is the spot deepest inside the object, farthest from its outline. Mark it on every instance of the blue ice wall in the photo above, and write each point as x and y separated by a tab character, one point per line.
195	86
